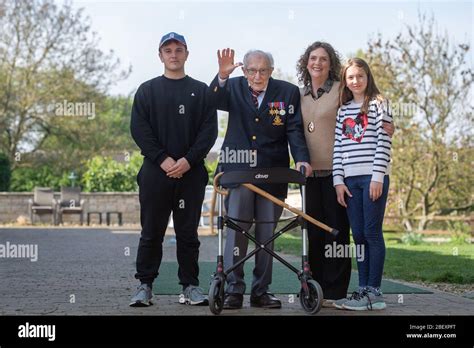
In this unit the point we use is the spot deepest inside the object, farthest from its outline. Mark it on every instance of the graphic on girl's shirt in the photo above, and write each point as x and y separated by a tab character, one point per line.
355	128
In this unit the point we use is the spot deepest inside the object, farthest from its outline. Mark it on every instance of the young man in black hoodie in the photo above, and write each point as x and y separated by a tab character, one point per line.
175	126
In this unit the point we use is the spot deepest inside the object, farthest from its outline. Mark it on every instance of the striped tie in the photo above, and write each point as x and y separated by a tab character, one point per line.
255	95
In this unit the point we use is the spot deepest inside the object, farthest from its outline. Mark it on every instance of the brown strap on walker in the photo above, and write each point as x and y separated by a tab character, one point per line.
269	197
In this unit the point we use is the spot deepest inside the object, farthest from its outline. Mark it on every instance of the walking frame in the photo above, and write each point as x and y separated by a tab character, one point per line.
311	294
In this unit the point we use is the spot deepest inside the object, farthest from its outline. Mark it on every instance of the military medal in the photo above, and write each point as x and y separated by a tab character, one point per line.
311	127
272	110
282	108
277	121
277	109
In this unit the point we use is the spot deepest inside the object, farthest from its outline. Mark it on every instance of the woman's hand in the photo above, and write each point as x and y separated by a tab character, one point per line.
341	190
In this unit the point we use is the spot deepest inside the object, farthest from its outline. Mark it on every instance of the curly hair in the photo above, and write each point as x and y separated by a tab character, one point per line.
334	70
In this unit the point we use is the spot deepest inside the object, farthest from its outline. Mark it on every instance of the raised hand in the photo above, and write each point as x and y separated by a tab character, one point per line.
226	62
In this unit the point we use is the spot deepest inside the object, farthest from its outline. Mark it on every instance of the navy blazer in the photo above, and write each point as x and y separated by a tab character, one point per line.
268	129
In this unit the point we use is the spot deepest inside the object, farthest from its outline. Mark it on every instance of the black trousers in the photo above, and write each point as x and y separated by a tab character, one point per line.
332	273
159	196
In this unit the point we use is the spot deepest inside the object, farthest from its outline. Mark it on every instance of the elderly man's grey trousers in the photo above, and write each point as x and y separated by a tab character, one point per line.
244	204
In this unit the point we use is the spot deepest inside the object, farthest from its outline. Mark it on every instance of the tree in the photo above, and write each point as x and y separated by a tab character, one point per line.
107	134
48	55
428	80
281	75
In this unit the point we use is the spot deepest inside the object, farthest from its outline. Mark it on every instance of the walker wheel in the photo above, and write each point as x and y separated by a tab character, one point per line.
216	296
312	302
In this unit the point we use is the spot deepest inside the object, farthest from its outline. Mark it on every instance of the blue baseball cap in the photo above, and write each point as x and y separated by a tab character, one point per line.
173	37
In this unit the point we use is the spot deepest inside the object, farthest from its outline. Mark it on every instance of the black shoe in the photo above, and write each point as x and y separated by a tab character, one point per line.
267	300
233	301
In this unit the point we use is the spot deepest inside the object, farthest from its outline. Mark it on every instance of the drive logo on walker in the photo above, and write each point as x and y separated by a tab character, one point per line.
261	176
37	331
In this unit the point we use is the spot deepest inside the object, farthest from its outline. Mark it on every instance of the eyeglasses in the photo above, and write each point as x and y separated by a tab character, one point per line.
253	72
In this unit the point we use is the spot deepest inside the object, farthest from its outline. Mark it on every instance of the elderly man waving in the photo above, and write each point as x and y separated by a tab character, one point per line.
264	117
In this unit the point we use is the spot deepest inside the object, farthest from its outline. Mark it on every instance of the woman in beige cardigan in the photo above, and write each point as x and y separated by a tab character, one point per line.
318	70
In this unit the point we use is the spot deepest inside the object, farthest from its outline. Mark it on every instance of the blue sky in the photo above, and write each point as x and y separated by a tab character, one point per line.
285	28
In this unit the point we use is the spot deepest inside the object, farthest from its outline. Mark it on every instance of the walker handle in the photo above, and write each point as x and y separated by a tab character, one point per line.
303	170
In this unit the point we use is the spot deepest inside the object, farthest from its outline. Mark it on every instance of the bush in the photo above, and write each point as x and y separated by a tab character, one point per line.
412	238
5	172
211	169
103	174
26	179
460	232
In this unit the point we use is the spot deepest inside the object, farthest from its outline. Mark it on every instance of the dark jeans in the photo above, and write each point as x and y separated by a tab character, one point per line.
159	196
366	219
332	273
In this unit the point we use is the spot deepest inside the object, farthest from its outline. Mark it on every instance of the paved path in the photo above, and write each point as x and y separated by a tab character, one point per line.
90	272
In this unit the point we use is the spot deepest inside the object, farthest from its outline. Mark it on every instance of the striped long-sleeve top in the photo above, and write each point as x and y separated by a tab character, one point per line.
361	146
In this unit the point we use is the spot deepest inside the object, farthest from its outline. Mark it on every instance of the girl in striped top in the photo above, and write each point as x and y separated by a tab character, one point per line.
361	164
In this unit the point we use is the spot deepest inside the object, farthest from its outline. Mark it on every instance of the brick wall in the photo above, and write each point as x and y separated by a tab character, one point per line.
15	204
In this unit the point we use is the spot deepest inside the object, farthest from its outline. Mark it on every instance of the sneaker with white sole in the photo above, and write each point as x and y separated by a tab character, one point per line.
338	304
142	297
193	296
367	301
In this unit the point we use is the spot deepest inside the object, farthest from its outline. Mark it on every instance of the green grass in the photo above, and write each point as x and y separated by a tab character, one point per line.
432	263
289	244
427	262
